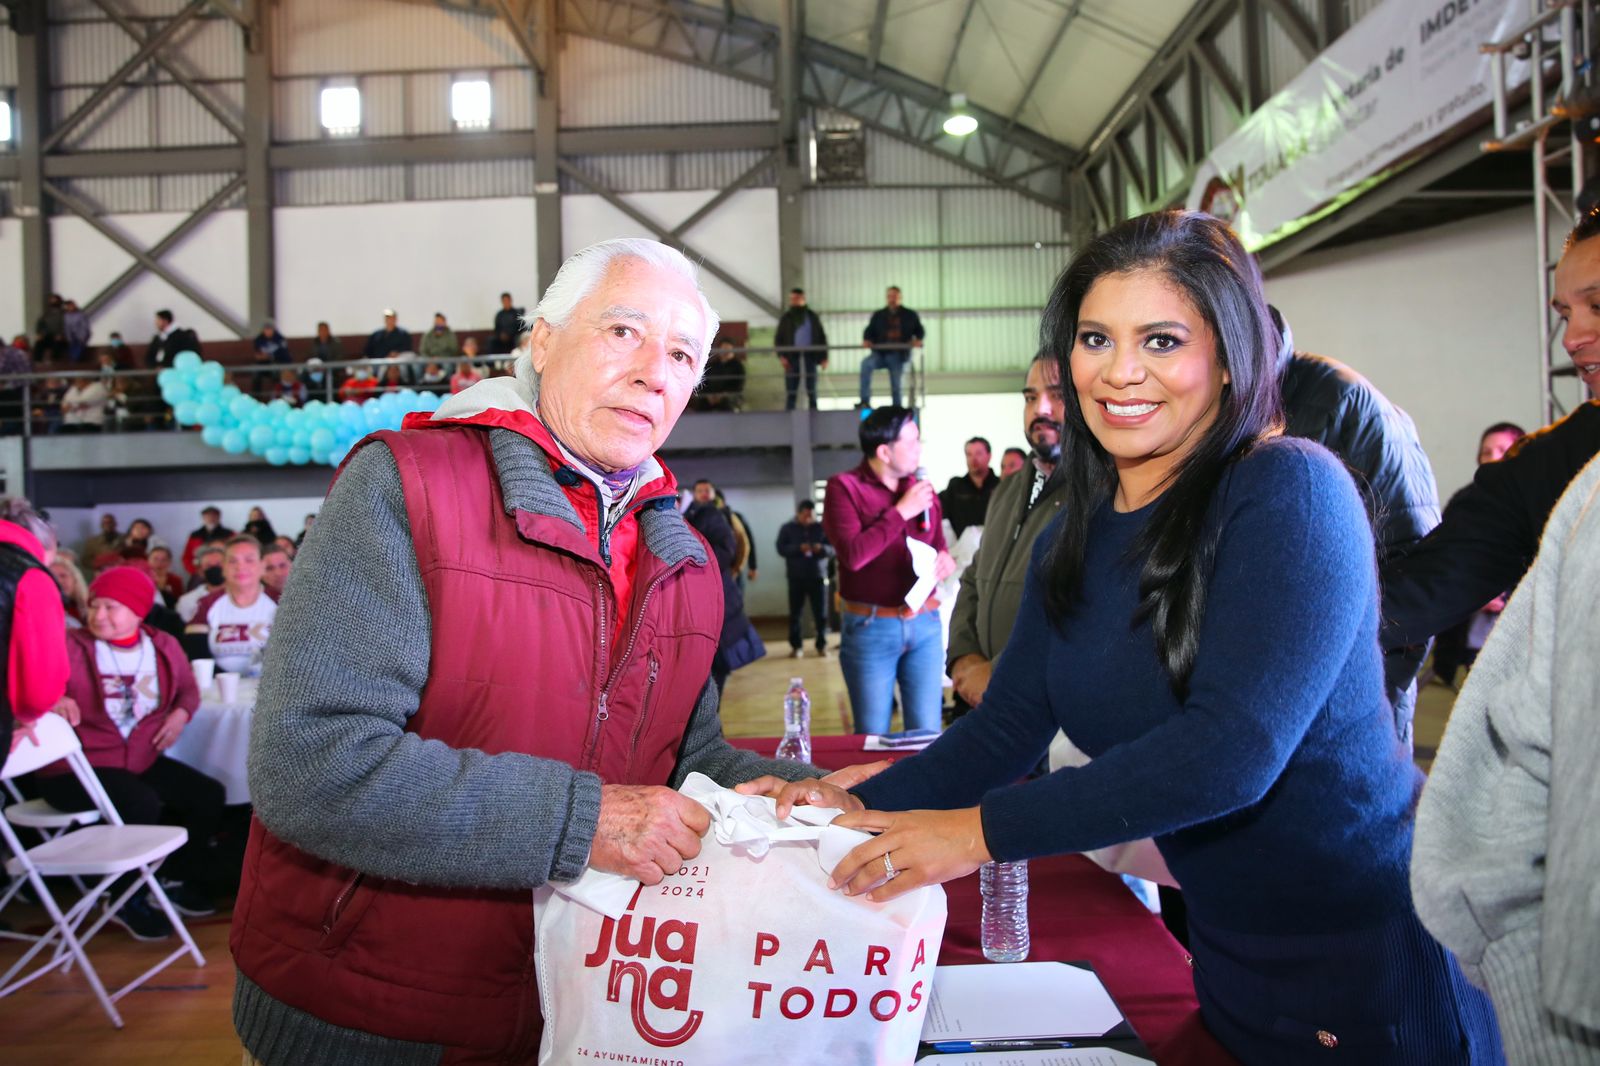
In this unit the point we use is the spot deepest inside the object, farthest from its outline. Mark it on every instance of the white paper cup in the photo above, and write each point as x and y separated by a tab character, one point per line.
228	687
204	671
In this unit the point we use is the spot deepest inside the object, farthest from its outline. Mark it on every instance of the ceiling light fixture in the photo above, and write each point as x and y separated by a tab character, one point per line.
960	123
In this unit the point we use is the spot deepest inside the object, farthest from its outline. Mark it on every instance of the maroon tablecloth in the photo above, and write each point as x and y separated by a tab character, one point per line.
1075	911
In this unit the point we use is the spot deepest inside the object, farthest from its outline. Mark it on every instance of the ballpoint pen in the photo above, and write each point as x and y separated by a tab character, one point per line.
957	1046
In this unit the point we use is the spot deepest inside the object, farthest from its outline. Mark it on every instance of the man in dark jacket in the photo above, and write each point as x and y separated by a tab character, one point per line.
169	340
50	331
736	645
507	327
1491	529
966	498
800	328
390	342
1326	401
805	549
1018	512
211	531
892	332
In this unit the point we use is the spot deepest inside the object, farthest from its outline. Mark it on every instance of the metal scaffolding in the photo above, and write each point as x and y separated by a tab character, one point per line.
1550	118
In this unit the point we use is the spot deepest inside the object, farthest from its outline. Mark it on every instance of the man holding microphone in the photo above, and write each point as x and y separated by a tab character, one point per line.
870	515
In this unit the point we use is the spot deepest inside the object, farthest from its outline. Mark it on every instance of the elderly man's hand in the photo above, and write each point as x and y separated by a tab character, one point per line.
646	831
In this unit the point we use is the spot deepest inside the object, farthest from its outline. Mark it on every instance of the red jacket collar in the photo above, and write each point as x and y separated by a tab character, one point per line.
528	425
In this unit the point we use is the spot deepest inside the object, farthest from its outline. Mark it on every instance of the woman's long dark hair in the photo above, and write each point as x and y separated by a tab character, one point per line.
1201	256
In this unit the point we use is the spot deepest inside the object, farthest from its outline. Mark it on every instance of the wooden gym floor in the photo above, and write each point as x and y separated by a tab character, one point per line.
182	1018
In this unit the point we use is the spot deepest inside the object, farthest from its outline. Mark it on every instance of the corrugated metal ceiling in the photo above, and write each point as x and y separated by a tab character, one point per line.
1106	45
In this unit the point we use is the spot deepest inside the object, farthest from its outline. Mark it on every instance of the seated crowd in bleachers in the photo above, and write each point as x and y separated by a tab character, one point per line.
269	367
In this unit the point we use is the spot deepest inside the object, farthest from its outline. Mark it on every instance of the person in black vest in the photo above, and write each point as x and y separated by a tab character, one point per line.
806	552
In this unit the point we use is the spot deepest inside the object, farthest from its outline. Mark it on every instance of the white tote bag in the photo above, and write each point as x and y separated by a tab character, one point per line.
743	956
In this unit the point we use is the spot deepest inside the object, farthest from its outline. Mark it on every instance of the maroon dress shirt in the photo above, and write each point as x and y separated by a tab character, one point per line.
869	536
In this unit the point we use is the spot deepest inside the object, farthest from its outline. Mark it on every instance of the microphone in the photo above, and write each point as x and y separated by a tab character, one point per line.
927	512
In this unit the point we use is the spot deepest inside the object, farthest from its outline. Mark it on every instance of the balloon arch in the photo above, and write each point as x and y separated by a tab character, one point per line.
319	432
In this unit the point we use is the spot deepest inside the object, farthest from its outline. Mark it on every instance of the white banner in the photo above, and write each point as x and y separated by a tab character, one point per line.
1396	86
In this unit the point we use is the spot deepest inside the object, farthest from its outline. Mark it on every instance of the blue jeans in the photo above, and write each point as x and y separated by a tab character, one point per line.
880	359
874	653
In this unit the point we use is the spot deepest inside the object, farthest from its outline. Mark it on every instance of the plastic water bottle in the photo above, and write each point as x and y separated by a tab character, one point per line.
1005	910
796	742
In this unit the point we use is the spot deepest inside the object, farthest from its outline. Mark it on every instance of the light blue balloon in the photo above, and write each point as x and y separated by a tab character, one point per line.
242	406
430	401
166	377
234	442
187	413
277	456
302	437
210	413
339	452
282	436
211	375
322	441
229	391
187	361
261	438
375	415
176	393
213	435
320	455
299	456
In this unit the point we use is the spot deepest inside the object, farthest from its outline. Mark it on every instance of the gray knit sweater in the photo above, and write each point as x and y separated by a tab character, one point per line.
333	772
1507	854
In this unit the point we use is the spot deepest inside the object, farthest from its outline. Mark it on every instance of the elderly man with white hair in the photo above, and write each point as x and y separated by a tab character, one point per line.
490	672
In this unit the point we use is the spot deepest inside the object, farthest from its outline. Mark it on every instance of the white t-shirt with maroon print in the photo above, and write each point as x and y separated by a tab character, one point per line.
129	682
238	635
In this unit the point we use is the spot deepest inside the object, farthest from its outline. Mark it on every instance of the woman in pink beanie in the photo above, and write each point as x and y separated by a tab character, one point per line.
135	692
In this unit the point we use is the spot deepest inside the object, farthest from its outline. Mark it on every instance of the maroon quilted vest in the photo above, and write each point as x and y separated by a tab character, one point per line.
521	661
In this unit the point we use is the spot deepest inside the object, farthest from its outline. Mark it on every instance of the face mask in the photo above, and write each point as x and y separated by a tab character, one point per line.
116	343
316	377
213	575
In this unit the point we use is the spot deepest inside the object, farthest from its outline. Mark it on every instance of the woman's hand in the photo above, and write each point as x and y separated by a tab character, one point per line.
924	848
830	791
170	730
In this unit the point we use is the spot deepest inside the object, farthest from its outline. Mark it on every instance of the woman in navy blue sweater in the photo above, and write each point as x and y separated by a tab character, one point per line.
1202	620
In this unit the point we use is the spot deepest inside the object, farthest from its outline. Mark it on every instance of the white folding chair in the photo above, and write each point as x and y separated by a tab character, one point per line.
105	851
48	822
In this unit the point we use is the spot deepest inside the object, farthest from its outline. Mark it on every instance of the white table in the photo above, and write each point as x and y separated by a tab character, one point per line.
217	740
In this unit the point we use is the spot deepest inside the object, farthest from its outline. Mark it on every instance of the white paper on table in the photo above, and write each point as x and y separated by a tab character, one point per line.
1018	1000
925	564
1078	1056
